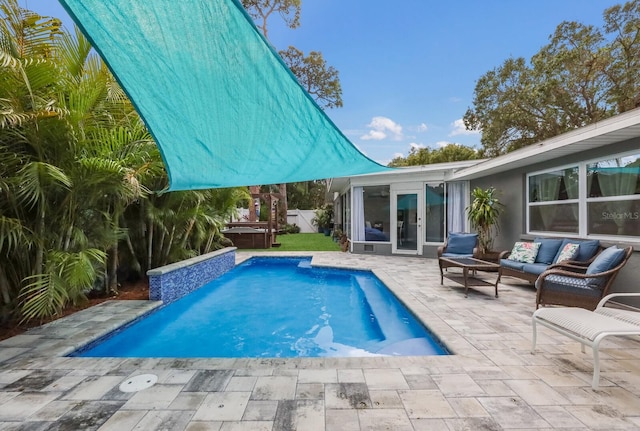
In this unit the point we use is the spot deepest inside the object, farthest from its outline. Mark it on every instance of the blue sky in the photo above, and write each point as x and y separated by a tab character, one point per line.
408	69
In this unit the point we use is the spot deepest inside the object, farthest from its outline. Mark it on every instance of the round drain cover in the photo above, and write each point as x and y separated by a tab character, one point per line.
138	383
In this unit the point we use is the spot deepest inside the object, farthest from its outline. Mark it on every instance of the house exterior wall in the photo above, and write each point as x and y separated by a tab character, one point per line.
511	186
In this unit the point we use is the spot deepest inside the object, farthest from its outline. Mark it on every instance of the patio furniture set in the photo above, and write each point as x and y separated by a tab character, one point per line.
564	271
572	274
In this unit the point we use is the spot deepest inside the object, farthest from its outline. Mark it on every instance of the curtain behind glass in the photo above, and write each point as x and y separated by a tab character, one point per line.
456	203
358	214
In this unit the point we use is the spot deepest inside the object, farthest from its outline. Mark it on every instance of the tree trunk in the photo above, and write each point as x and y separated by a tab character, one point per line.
4	287
149	245
112	269
284	207
39	262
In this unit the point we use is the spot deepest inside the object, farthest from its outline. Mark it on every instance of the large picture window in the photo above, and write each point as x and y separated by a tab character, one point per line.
598	198
553	201
613	196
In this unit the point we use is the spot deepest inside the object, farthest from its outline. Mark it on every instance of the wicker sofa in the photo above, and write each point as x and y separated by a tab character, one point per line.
548	254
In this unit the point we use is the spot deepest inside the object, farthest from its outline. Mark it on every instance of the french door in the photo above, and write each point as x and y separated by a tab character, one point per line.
408	222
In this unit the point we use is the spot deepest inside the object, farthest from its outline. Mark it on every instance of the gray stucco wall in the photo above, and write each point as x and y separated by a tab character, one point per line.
511	187
379	248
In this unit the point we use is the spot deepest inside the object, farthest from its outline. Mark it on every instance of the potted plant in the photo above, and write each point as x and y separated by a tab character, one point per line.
324	219
484	213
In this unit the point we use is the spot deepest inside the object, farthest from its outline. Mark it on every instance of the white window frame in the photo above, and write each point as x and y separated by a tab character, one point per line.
583	200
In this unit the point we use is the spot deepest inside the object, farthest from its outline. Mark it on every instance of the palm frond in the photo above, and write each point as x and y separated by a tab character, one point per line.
68	277
13	234
36	177
43	297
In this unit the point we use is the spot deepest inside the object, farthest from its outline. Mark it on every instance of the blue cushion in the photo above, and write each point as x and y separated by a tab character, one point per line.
461	243
456	255
587	249
566	284
548	250
608	259
535	268
512	264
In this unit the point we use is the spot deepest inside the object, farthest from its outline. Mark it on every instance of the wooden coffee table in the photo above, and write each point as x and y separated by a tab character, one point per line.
467	264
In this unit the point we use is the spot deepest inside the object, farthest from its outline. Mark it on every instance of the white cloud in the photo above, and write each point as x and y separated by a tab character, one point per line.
459	129
422	128
414	146
382	128
442	144
375	135
396	155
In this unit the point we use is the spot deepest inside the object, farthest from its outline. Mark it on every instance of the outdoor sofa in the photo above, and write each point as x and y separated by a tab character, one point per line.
547	253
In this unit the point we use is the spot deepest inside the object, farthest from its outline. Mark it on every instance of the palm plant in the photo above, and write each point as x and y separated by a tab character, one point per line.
484	214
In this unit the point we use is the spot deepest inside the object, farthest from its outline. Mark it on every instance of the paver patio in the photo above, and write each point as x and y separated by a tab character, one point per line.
492	382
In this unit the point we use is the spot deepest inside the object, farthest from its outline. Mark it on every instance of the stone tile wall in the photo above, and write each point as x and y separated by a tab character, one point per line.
174	281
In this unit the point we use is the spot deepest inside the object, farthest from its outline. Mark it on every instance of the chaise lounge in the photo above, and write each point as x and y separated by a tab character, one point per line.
590	328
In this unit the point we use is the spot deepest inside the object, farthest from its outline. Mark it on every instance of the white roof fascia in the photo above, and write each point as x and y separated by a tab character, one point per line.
433	172
606	132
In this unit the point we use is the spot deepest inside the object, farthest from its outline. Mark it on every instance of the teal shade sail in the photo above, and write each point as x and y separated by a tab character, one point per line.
223	107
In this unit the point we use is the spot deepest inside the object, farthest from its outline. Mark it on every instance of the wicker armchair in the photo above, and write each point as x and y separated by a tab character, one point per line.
582	286
459	244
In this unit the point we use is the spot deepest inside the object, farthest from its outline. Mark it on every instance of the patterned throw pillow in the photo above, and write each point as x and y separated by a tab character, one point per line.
525	252
568	252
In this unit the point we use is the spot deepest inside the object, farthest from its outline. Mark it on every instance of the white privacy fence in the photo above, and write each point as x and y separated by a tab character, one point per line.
302	218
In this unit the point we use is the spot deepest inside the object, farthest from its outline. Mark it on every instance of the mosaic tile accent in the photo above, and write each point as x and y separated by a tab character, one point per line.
174	281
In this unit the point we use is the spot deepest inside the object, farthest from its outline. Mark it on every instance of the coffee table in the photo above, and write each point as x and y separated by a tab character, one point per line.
468	265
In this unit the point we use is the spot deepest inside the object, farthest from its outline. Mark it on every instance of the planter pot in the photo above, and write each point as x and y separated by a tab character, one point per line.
490	256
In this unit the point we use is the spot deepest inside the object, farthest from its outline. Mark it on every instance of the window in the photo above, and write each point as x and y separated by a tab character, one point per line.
613	196
600	197
553	201
434	212
376	201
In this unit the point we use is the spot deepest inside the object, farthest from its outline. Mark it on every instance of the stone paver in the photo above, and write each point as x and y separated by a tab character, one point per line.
491	382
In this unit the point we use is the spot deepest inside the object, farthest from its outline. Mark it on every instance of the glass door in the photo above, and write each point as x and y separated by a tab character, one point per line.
408	222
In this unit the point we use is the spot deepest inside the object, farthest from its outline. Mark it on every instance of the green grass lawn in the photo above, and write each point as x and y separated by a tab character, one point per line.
303	242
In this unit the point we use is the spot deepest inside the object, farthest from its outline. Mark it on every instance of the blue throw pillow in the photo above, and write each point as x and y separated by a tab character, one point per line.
587	249
608	259
461	243
548	250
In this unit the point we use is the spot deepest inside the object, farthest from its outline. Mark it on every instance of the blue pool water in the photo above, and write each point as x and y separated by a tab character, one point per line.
277	307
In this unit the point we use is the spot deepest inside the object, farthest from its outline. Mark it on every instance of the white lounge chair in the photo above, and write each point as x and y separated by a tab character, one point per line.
590	327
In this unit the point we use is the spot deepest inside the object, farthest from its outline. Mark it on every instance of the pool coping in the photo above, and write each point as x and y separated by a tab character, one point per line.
122	313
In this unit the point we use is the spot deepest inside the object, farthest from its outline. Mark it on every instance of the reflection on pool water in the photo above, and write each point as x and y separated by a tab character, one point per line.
277	307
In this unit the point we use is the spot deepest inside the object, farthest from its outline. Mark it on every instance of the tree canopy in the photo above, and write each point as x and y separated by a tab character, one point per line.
425	156
319	79
583	75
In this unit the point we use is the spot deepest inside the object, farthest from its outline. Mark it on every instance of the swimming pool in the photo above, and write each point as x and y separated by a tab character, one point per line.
277	307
